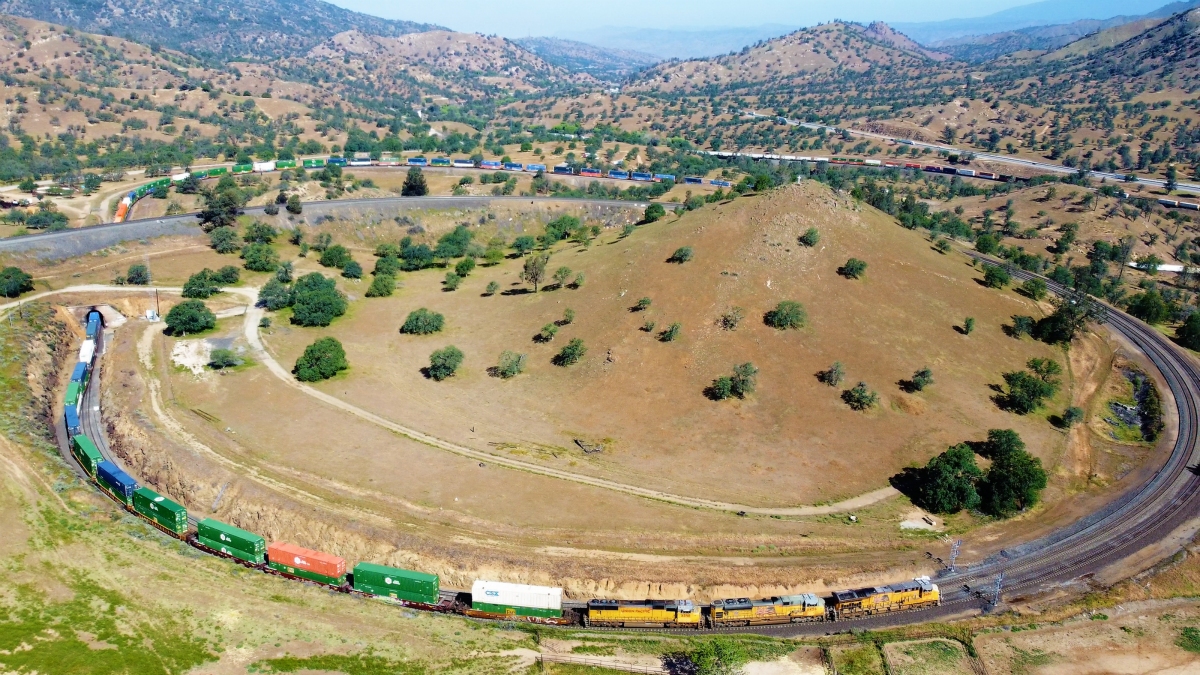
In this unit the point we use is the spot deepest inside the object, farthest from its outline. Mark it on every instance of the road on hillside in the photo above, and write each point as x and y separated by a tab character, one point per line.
81	241
1003	159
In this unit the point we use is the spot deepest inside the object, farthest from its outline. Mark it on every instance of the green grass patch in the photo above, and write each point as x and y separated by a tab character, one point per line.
1189	640
353	664
862	659
597	650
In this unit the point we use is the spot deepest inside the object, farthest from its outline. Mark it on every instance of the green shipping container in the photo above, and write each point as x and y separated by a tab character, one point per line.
73	391
396	583
515	611
243	168
285	164
313	163
255	558
228	535
85	451
305	574
160	509
219	171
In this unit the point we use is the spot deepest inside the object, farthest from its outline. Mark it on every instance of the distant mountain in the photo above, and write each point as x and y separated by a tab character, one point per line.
224	29
1045	13
1168	50
612	65
679	44
980	48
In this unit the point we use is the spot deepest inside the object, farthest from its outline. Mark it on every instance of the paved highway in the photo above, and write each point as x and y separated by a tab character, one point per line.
1003	159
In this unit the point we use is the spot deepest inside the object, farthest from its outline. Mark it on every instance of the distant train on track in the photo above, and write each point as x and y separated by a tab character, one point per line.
487	599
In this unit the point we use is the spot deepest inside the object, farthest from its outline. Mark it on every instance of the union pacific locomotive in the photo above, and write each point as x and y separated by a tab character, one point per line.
487	599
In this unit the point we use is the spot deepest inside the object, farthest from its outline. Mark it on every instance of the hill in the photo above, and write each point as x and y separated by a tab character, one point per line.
603	63
827	49
1044	13
678	44
1171	48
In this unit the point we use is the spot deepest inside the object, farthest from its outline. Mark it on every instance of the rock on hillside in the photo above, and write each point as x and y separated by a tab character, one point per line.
795	58
220	28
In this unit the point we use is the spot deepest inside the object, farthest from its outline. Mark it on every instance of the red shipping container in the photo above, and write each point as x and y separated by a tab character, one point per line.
305	559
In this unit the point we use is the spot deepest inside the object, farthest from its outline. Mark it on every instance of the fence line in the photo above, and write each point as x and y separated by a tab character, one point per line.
575	660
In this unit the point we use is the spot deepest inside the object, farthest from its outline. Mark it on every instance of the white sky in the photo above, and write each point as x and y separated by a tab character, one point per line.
533	18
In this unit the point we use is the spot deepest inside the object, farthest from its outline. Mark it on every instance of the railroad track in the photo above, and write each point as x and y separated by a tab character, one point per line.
1139	518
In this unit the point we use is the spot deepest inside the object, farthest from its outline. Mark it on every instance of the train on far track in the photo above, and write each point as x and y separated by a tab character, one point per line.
421	590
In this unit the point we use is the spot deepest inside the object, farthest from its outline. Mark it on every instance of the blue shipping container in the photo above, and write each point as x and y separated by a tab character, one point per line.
643	176
664	176
621	175
562	169
534	168
720	183
72	420
336	161
80	372
513	166
116	480
692	180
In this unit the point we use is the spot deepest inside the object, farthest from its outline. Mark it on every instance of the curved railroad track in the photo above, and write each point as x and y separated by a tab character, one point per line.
1141	517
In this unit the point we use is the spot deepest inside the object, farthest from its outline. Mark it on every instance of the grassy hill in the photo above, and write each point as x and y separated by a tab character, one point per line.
611	65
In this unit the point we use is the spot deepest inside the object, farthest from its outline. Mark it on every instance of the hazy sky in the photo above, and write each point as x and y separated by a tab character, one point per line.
520	19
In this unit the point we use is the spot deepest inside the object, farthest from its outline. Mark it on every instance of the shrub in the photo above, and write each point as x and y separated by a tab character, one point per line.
547	333
853	269
223	358
787	314
260	258
986	244
860	397
321	360
561	275
834	376
1026	392
271	209
648	327
921	379
1013	483
571	354
947	483
642	305
451	281
316	301
464	267
1188	334
190	317
681	255
524	244
1072	416
731	319
511	364
382	286
14	282
810	238
654	212
493	255
719	656
578	283
568	317
284	272
742	382
492	288
223	240
995	276
201	285
534	271
444	362
423	322
352	270
294	206
942	246
138	275
275	295
259	233
671	333
387	265
336	256
1022	325
414	184
968	325
627	230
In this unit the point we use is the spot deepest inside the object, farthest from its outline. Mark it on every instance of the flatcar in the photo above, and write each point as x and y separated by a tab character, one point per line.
490	165
618	175
783	609
535	168
916	594
460	163
642	614
514	166
440	161
562	170
418	161
239	169
645	177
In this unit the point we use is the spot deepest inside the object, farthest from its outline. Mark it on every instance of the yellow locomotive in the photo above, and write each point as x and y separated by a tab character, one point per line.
642	613
916	594
784	609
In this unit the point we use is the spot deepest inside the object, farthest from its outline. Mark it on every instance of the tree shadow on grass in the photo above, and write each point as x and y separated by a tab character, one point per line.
516	291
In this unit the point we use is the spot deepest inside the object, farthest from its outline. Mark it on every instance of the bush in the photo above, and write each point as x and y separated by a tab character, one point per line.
452	281
294	206
742	382
223	358
571	354
352	270
271	209
321	360
995	276
671	333
464	267
834	376
423	322
947	483
316	301
284	272
524	244
810	238
223	240
1072	416
654	212
260	258
568	317
921	379
201	285
1022	325
190	317
14	282
986	244
642	305
853	269
942	246
259	233
1026	392
387	265
1188	334
547	333
414	184
681	255
561	275
275	295
444	362
511	364
1034	288
719	656
787	314
1149	306
138	275
860	397
968	325
382	286
336	256
492	288
1013	483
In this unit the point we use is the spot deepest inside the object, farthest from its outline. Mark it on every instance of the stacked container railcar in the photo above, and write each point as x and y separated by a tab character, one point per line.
504	599
166	513
390	582
86	453
118	483
306	563
232	541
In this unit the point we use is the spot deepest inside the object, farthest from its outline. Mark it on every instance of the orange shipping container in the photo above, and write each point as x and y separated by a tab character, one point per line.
304	559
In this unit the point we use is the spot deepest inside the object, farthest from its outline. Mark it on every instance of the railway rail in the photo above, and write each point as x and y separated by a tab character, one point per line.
1141	517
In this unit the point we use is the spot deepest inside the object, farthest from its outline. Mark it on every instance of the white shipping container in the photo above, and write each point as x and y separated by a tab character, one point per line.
516	595
180	177
264	167
87	351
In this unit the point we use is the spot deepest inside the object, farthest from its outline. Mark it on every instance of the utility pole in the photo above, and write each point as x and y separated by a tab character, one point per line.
954	555
996	591
157	306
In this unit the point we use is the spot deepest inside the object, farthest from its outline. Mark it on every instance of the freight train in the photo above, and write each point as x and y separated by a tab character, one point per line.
487	599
